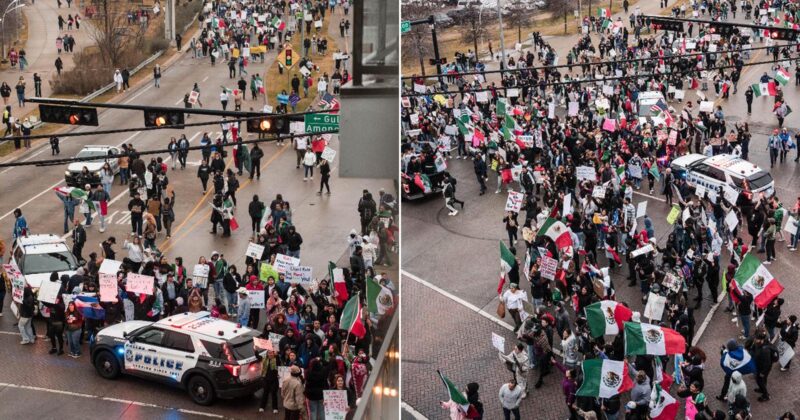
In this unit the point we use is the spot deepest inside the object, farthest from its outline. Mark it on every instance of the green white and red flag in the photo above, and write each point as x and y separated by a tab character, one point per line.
604	378
641	338
753	277
557	231
607	317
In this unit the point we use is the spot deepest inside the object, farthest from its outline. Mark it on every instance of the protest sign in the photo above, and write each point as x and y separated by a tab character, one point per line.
567	205
266	271
200	274
654	309
785	353
137	283
641	209
731	220
549	266
635	171
514	201
108	287
283	374
109	266
263	344
254	251
284	263
335	404
643	250
482	97
512	93
599	191
193	96
790	225
573	109
300	275
585	172
441	164
328	154
499	342
451	130
276	340
256	298
731	194
672	217
48	291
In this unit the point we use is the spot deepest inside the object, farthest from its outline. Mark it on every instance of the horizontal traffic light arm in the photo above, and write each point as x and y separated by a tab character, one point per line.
713	22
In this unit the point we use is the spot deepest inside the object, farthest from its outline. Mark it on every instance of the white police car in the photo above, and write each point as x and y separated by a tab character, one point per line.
206	356
38	256
726	171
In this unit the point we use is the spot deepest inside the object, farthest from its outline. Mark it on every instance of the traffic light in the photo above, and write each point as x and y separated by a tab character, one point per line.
269	125
288	56
723	29
783	34
666	25
64	114
161	117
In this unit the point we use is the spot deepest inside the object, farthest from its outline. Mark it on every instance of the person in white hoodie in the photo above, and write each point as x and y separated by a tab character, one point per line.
510	397
369	251
309	160
118	80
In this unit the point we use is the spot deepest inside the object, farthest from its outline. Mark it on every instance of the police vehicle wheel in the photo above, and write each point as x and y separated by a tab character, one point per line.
201	390
107	365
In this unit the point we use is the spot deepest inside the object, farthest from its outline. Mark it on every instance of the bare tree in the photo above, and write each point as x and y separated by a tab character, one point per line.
112	34
518	17
562	7
472	29
417	44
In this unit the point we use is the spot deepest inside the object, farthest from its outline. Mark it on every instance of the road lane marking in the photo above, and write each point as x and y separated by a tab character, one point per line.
138	94
652	197
32	198
166	245
179	101
109	399
206	78
412	411
707	319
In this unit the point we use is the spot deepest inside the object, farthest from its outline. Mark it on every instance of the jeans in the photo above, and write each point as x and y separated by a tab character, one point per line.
25	330
308	171
123	175
107	188
507	413
74	341
88	217
316	409
218	288
231	299
745	324
136	225
295	254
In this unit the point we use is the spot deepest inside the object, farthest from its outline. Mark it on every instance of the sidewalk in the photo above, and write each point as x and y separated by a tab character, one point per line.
41	50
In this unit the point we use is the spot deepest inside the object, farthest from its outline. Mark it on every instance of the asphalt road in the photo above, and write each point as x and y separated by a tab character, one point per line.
323	221
450	266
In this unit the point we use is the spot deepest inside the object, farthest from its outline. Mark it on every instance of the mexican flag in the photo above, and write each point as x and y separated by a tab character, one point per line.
454	394
278	24
463	127
557	231
603	12
337	275
351	318
641	338
662	405
764	89
507	259
423	182
77	194
606	317
511	128
782	76
756	279
604	378
501	107
379	298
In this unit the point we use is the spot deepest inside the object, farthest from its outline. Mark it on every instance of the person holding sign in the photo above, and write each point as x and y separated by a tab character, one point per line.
254	318
269	376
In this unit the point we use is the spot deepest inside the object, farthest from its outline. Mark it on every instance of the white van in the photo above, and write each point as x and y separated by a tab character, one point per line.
724	171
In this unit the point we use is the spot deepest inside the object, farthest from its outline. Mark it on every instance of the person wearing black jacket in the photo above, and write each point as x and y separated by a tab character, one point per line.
269	375
325	172
231	282
255	160
743	309
171	290
203	172
788	334
55	323
78	240
367	209
26	311
136	207
293	242
480	172
762	355
316	381
256	212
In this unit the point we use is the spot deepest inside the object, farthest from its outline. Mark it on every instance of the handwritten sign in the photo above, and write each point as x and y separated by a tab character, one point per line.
654	309
643	250
499	342
256	298
254	251
328	154
276	340
108	287
300	275
109	266
335	403
284	263
549	266
137	283
599	191
585	172
193	97
641	209
514	201
48	292
200	274
283	374
263	344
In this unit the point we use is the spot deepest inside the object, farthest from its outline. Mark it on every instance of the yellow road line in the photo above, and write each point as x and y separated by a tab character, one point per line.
170	242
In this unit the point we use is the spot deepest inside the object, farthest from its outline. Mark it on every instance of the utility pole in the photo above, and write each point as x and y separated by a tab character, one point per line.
169	20
502	39
432	22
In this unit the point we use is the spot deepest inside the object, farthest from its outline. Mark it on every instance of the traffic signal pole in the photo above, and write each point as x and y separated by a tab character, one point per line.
432	22
713	22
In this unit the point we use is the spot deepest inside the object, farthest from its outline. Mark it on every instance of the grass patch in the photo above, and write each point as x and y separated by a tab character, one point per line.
275	82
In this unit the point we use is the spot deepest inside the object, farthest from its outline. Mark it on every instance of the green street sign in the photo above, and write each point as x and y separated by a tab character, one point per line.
405	26
316	123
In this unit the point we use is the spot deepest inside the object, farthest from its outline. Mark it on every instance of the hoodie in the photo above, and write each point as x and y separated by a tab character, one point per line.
737	387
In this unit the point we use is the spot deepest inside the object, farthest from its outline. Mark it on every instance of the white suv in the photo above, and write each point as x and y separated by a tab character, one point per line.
724	171
208	357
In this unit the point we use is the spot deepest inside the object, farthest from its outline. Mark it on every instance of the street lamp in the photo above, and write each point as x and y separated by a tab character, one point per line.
502	45
3	21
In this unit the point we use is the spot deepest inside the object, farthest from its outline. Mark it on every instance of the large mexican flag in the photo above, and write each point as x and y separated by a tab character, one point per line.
662	405
606	317
764	89
604	378
351	318
76	193
756	279
557	231
641	338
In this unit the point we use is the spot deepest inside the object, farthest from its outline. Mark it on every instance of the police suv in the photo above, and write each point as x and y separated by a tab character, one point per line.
726	171
208	357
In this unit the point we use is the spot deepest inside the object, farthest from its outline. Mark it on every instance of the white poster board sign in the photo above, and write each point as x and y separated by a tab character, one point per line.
48	291
514	201
731	220
499	342
641	209
549	266
283	263
256	298
254	250
108	287
585	172
300	275
654	309
109	266
643	250
200	274
137	283
328	154
335	404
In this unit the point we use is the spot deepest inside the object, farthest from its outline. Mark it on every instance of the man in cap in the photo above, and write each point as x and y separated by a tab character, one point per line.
243	310
293	394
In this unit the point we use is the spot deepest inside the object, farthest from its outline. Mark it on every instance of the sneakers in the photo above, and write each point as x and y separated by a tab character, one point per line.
453	213
783	369
260	410
305	179
274	411
768	262
793	249
23	342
